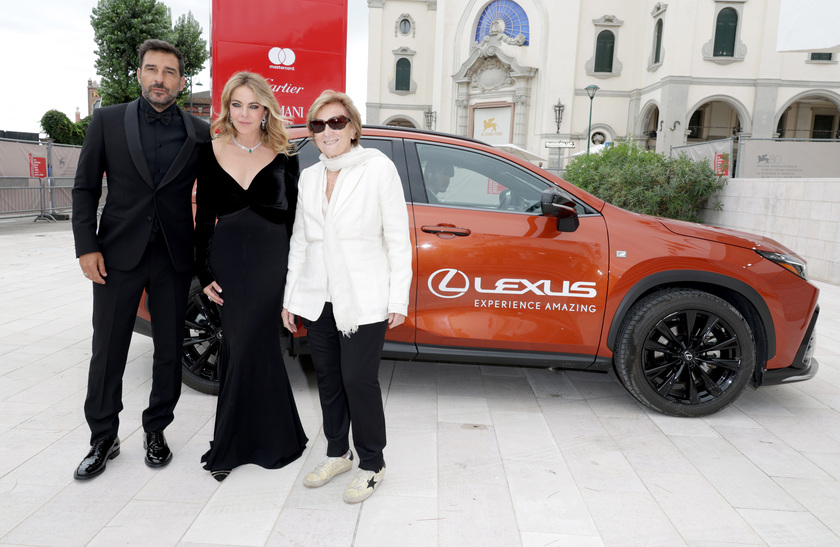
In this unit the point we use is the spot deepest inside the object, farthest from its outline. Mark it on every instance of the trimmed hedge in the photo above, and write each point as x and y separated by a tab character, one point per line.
61	130
646	182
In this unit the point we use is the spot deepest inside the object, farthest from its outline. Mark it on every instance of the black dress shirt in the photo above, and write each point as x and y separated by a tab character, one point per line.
161	143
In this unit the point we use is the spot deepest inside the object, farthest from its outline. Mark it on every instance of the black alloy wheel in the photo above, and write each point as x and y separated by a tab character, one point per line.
685	352
202	342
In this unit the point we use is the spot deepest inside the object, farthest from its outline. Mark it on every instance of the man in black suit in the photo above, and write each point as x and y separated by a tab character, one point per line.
437	177
148	150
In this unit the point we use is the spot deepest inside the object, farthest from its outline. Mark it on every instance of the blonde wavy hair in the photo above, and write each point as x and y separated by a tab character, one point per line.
274	134
330	96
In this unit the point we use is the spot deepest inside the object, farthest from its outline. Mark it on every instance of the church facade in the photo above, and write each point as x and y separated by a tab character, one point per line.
556	76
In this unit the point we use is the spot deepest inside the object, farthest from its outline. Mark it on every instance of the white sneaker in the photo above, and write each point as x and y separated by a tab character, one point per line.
327	469
363	484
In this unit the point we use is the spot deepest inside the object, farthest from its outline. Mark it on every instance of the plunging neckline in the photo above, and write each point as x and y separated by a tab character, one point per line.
236	182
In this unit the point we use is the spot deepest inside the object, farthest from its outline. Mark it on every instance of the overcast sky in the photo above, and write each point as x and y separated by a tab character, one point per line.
46	56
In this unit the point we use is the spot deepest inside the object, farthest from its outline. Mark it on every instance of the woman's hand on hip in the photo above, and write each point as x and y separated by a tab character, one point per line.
214	293
289	320
395	320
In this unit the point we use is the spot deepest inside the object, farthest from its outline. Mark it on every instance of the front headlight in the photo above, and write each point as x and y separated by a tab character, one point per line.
788	262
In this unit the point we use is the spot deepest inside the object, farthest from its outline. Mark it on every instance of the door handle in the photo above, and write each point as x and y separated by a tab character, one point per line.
448	230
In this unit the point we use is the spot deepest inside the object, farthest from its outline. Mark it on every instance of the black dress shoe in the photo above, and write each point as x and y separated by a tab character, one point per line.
102	450
157	451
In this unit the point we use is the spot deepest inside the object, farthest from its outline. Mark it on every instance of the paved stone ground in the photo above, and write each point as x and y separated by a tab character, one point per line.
489	456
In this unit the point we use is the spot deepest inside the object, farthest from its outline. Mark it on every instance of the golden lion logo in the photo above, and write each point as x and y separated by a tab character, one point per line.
490	124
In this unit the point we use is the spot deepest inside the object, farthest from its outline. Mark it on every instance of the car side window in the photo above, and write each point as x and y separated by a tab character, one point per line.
308	153
470	179
386	146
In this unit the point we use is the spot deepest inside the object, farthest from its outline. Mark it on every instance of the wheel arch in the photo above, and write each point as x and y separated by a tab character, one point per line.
741	295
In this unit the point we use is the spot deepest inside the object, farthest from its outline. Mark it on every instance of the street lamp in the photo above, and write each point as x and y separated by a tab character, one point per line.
558	114
590	90
191	93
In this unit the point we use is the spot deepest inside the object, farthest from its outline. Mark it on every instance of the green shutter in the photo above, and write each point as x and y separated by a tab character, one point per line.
604	49
403	82
658	48
727	23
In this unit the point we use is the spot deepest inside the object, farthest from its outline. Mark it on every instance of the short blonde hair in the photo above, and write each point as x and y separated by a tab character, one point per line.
274	134
330	96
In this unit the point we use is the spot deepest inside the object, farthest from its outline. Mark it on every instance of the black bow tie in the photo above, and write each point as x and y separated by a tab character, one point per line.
153	116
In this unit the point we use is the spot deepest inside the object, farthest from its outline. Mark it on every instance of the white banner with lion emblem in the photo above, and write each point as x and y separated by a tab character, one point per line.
763	159
492	125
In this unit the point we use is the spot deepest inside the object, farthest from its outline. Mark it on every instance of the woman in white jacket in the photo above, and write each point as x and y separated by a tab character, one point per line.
349	278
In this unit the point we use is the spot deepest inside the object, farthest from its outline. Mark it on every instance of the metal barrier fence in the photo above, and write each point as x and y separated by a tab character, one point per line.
22	197
721	154
43	198
36	179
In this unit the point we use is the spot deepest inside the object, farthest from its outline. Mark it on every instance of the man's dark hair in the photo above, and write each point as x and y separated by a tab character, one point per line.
446	169
160	45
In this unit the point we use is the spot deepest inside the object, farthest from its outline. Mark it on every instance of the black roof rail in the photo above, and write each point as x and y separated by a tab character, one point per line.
412	130
425	132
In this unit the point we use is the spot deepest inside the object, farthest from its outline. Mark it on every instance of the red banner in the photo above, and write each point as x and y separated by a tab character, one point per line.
37	167
299	47
721	164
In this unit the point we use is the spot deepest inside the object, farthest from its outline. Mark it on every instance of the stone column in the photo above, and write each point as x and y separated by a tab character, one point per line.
764	111
672	111
520	120
463	115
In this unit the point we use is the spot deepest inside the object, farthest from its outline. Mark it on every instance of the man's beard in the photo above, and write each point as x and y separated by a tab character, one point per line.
160	103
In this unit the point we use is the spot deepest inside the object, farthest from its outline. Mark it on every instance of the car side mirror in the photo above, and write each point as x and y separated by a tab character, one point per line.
555	203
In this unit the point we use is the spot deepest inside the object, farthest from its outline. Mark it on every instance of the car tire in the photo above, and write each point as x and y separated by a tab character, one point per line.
202	342
685	352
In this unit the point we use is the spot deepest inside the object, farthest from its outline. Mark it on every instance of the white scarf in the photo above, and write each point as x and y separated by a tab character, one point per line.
356	156
341	293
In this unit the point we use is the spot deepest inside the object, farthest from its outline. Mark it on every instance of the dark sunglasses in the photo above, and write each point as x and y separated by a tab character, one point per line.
336	122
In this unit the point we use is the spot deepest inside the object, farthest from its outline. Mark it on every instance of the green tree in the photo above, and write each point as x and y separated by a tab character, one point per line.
61	130
187	38
119	27
646	182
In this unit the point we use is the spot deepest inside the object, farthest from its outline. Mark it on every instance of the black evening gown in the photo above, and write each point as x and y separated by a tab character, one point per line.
246	253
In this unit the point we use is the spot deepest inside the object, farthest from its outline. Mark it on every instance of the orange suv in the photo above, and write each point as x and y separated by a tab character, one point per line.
515	266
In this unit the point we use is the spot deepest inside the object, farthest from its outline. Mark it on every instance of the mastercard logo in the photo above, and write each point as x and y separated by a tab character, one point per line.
281	56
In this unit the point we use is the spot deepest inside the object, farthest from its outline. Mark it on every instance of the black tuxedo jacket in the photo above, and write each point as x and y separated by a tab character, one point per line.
112	146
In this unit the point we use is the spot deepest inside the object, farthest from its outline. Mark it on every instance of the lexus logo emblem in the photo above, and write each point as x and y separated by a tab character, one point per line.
449	283
281	56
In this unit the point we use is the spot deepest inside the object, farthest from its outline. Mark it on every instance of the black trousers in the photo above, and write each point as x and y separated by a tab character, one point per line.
114	309
348	385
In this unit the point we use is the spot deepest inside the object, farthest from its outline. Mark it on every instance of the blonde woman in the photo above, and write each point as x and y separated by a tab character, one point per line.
246	197
349	278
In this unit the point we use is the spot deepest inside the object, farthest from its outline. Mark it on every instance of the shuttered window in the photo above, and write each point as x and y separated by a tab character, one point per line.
403	82
657	52
727	24
604	50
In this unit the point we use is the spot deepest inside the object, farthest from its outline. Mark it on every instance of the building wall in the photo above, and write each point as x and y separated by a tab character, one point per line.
802	214
755	89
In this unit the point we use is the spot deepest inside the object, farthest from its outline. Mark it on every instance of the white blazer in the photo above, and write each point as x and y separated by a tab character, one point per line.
369	209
